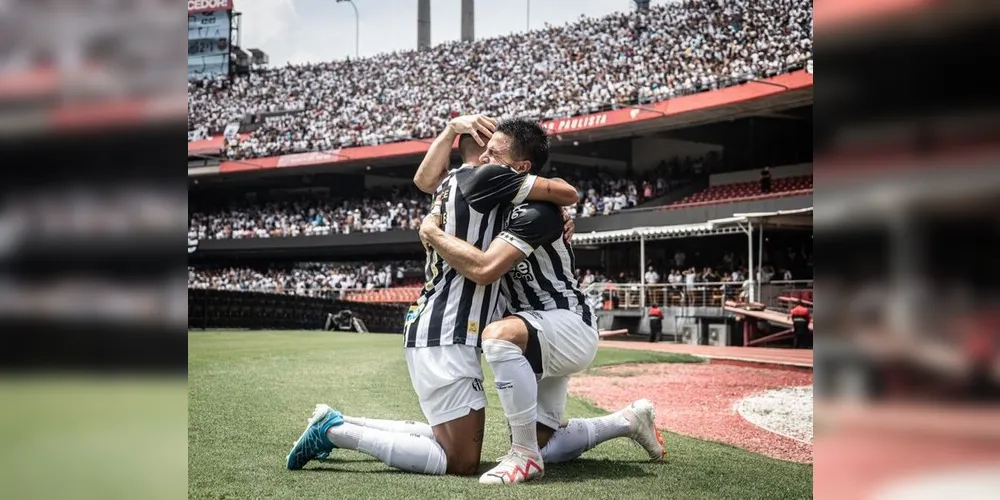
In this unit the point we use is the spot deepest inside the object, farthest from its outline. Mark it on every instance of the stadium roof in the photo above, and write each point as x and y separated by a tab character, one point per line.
651	233
801	218
790	219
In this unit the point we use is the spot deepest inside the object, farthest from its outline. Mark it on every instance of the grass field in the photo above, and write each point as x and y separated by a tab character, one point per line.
251	393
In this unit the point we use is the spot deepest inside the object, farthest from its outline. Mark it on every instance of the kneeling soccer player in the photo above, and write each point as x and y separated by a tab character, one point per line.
550	335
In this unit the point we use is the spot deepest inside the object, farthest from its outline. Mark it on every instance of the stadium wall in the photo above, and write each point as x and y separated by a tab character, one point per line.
372	181
799	170
269	311
648	152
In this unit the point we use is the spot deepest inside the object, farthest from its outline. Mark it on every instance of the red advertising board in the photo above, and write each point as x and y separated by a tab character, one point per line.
678	105
209	5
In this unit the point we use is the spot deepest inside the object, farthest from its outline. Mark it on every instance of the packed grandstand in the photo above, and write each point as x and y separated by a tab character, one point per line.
594	64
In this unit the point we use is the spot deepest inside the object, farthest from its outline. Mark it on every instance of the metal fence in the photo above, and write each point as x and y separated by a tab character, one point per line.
629	295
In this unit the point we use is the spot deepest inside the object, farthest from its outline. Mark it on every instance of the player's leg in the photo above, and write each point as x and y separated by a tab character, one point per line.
569	346
562	443
636	422
404	426
404	451
462	441
504	344
448	382
401	426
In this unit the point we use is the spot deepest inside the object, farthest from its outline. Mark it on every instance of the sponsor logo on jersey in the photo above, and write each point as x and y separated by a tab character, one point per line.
522	271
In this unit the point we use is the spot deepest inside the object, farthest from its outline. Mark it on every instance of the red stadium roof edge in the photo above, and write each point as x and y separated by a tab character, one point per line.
620	117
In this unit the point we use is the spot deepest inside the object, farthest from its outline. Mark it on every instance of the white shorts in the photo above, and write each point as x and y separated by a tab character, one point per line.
568	346
448	381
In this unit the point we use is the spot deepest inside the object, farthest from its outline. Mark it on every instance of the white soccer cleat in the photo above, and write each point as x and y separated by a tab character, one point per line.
515	467
642	422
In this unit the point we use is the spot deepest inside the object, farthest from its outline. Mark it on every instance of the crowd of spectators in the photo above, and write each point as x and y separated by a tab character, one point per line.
785	264
595	63
306	279
310	214
321	279
602	192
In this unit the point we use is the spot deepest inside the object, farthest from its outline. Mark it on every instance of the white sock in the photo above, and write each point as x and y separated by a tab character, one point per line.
402	426
518	392
409	452
582	434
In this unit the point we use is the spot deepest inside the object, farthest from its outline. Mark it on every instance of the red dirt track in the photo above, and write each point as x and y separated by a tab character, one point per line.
698	400
762	355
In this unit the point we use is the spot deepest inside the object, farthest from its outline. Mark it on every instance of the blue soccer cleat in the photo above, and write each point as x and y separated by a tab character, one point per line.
313	442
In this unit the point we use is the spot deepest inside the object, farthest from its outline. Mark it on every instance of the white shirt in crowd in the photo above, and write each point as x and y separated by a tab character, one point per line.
652	277
672	49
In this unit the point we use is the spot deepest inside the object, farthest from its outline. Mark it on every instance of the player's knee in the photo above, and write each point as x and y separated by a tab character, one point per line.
510	330
463	465
544	434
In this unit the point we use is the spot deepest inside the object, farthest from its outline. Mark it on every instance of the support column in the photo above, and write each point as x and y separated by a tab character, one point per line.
751	295
642	274
760	258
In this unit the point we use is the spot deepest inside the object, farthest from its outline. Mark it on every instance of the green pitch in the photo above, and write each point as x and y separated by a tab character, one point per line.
252	392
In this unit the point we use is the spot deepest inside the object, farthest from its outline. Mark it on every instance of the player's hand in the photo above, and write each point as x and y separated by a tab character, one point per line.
569	227
431	222
480	127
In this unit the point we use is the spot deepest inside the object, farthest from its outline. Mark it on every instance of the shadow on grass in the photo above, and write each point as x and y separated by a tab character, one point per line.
581	469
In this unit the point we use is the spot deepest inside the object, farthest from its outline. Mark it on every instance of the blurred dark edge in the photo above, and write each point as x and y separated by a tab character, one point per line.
905	103
131	156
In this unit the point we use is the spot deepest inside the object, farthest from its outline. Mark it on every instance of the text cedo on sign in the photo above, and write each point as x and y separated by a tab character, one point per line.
209	5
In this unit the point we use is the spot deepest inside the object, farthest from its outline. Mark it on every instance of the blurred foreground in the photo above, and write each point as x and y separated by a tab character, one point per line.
100	438
91	235
907	230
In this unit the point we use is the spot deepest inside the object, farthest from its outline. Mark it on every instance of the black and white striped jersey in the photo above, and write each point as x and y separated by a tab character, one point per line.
544	280
453	309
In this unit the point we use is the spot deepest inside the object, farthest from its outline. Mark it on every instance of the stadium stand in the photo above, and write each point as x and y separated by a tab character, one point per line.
310	215
742	191
591	65
380	210
678	273
407	294
308	279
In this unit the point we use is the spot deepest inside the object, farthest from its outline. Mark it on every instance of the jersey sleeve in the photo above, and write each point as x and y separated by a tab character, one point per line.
532	225
491	186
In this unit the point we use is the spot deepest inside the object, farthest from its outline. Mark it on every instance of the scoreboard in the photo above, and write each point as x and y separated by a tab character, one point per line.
208	37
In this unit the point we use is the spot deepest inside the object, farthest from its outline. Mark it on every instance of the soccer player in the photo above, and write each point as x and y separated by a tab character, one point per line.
442	329
550	335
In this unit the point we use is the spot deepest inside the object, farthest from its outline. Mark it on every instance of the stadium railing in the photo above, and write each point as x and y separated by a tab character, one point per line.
628	296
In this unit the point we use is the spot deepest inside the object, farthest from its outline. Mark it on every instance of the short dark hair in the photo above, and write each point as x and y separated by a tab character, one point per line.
467	145
528	141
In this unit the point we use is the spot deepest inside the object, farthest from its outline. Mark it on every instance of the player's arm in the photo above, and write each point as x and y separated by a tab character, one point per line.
555	191
481	267
533	226
434	167
491	186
